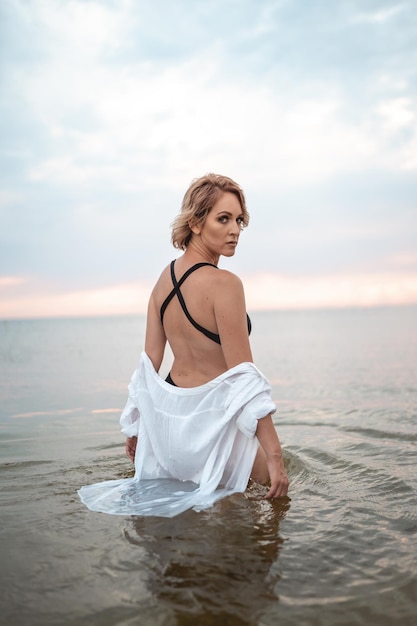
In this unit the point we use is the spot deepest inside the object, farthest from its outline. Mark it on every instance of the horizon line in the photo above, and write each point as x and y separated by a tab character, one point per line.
289	309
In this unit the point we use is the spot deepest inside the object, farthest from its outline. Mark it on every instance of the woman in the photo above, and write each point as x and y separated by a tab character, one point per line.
200	310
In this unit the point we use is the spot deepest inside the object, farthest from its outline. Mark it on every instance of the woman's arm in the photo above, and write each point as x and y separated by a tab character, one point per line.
231	320
268	438
155	339
230	313
131	443
155	342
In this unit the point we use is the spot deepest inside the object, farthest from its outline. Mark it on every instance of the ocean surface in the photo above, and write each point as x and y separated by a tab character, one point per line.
341	551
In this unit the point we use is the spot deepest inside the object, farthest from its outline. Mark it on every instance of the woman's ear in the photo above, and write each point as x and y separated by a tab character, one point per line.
194	227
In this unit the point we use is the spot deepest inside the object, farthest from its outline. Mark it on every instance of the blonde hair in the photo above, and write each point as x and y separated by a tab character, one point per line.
199	199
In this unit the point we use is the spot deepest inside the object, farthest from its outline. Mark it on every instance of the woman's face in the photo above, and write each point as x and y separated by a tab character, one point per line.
222	227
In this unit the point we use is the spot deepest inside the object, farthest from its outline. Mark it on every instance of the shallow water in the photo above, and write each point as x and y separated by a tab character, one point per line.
342	550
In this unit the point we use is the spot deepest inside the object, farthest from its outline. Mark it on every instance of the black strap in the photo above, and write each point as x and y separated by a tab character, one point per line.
176	291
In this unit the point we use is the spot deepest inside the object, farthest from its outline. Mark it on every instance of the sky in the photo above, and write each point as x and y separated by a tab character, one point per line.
110	108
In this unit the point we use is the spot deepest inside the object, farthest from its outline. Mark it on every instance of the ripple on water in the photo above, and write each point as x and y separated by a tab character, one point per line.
352	522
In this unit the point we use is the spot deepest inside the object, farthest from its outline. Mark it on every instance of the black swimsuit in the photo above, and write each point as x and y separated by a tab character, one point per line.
169	380
176	291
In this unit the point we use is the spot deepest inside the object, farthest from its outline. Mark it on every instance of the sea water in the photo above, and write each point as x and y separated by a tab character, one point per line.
341	551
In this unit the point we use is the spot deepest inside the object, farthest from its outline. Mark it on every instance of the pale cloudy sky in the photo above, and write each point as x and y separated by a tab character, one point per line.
108	110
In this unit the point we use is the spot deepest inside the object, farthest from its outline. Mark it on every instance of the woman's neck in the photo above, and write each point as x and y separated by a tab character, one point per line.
197	253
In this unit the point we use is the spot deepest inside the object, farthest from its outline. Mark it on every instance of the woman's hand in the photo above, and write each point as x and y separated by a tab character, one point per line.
268	438
131	443
278	477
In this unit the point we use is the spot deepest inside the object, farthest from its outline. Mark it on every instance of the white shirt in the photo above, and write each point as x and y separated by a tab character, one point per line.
195	445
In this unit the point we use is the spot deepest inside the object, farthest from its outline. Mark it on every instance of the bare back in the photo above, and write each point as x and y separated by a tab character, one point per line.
214	301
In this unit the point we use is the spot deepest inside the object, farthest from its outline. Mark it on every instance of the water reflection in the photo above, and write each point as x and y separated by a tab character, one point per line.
214	567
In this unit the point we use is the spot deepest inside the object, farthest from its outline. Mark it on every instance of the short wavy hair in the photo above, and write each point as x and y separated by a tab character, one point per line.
199	199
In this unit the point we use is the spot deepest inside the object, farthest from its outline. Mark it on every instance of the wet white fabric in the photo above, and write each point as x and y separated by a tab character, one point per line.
195	445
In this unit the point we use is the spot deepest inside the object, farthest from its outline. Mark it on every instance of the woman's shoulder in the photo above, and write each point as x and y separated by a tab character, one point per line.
218	280
228	280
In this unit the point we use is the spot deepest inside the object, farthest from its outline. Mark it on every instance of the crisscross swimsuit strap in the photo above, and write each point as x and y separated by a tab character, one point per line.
176	292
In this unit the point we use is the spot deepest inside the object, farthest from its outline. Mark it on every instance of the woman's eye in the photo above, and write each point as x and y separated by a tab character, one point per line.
224	218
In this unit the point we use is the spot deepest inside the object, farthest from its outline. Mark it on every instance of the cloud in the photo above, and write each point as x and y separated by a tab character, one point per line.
152	128
149	122
381	16
268	291
11	281
109	109
50	301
